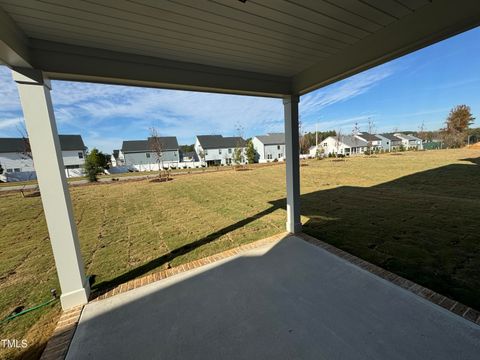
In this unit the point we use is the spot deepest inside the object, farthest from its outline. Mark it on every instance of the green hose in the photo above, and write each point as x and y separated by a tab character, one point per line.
11	317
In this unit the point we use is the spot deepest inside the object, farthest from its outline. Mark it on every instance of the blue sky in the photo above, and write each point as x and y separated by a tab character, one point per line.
401	94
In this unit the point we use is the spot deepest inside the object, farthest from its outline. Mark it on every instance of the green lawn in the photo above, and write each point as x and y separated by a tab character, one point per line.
417	214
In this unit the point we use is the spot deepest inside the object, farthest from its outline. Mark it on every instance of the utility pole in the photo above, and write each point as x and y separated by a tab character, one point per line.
316	136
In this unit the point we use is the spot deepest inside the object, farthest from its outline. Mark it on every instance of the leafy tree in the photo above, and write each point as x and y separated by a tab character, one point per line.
250	152
95	162
457	123
1	169
459	119
187	148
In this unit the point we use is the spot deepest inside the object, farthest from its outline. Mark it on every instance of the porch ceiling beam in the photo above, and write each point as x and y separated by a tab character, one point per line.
70	62
13	43
427	25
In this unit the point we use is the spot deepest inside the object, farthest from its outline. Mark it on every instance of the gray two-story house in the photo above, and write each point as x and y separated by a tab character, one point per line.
141	154
269	147
390	142
219	150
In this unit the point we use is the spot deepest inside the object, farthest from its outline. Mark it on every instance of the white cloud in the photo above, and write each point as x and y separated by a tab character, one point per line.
344	90
9	124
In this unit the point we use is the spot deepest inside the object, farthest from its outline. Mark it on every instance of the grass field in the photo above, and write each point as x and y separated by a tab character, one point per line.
416	214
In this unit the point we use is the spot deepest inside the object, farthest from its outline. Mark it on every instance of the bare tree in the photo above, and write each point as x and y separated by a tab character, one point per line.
302	139
156	145
371	131
238	151
421	131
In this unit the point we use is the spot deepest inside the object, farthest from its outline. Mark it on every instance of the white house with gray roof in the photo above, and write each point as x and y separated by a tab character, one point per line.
140	154
269	147
216	150
344	145
373	141
18	165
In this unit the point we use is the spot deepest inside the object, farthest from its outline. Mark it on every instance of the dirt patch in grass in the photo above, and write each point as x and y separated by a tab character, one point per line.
160	180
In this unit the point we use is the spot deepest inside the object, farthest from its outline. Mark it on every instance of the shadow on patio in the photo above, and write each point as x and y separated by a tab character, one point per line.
292	300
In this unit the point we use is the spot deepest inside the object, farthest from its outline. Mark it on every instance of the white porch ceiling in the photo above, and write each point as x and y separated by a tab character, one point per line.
284	45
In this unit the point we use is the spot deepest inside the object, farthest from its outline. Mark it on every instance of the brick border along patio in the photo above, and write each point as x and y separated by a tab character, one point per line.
59	343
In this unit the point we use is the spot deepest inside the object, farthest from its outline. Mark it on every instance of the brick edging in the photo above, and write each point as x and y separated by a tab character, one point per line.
451	305
59	342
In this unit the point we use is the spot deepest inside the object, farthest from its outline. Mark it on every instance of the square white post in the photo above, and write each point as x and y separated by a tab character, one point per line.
34	91
290	108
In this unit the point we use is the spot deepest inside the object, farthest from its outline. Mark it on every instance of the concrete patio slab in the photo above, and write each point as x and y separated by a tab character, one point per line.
289	300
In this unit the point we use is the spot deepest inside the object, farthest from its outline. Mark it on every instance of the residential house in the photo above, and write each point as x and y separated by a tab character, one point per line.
117	159
140	154
218	150
189	156
344	145
269	147
18	164
373	141
390	142
409	141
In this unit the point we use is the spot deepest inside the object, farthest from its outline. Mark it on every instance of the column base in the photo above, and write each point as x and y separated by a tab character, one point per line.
294	228
75	298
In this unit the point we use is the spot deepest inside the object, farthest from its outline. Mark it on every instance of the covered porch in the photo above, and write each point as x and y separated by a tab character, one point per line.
282	49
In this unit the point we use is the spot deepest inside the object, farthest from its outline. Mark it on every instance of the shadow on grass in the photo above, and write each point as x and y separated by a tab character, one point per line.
103	286
424	226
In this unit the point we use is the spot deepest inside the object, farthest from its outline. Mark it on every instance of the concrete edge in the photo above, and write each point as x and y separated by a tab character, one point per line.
450	305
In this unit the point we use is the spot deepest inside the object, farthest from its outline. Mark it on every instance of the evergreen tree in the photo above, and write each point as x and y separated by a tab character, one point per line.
250	152
95	162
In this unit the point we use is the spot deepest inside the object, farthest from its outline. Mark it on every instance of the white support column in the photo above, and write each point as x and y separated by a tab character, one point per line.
34	91
290	106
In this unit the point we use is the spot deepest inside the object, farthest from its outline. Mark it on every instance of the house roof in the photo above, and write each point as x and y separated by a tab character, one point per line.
167	142
220	142
351	141
368	137
67	143
391	137
407	136
272	138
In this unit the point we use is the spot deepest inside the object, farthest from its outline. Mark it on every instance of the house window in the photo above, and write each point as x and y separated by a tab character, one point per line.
148	155
269	156
16	170
280	155
278	147
80	155
229	151
175	154
220	151
325	144
9	170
